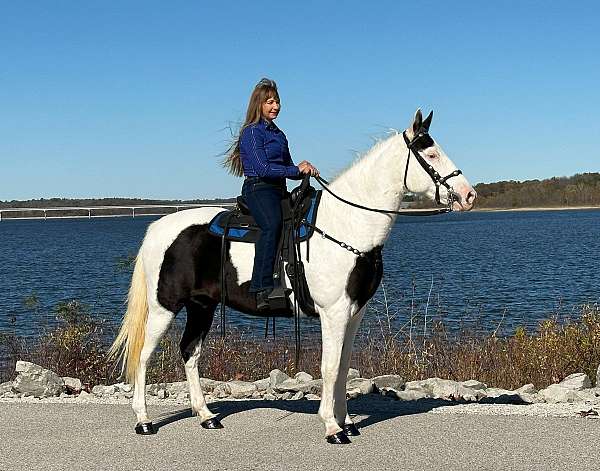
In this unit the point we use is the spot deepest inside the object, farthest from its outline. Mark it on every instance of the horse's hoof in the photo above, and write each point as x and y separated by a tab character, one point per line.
145	428
212	424
351	430
339	438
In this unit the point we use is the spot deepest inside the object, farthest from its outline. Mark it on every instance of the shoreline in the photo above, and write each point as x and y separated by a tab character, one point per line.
536	208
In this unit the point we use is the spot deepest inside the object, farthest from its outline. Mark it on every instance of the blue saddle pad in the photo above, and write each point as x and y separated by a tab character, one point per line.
243	228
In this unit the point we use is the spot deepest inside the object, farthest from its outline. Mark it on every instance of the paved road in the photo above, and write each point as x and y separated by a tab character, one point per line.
283	435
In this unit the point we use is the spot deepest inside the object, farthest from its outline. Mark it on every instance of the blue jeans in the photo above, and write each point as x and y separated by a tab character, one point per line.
263	196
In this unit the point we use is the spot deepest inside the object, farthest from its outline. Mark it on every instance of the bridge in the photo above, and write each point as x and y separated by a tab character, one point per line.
9	214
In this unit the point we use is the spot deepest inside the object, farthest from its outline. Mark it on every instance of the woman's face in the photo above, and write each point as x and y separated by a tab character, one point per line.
270	108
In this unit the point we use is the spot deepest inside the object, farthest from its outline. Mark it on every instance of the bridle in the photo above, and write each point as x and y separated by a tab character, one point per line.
423	140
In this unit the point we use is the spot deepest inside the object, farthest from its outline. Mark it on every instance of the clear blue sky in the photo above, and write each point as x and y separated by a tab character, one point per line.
124	98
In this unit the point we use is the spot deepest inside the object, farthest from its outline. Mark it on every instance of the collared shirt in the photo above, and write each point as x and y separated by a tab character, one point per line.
264	152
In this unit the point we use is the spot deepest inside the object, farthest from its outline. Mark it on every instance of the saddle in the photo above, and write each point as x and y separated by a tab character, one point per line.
299	210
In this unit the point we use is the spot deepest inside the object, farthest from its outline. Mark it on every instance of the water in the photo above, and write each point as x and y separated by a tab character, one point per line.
492	269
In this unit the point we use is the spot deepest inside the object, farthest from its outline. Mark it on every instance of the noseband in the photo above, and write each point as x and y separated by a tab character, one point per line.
423	140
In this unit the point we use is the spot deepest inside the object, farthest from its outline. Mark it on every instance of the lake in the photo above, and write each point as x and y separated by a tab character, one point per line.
485	269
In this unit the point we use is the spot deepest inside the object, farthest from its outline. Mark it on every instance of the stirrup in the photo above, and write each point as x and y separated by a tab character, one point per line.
278	298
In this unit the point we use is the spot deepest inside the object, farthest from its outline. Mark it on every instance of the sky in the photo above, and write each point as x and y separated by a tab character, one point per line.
136	98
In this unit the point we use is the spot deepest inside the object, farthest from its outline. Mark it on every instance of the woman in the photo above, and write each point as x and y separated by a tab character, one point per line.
261	154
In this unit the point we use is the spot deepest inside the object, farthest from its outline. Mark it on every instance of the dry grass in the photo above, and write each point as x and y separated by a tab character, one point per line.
417	350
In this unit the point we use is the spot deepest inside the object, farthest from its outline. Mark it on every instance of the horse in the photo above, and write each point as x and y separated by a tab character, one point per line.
179	265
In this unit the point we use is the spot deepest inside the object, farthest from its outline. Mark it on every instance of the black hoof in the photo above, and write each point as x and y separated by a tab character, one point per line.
339	438
212	424
145	428
351	430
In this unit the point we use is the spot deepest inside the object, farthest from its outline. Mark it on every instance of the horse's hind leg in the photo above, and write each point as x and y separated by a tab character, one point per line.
157	324
199	319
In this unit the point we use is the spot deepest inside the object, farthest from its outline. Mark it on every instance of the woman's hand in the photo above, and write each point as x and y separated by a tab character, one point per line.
307	168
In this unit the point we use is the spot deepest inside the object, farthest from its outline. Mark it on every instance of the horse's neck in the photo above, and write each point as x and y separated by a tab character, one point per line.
374	181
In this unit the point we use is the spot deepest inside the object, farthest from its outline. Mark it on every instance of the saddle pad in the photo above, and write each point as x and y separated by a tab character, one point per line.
243	228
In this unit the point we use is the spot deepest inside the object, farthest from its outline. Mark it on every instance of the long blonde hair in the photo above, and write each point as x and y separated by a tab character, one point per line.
265	89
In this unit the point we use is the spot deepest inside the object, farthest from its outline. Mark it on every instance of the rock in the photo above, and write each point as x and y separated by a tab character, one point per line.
587	395
352	393
103	391
72	385
209	385
221	390
6	388
297	396
84	395
473	384
556	393
289	384
598	377
312	397
410	395
312	387
576	382
285	396
353	373
162	394
446	389
269	397
263	384
257	394
277	377
177	387
388	381
303	377
364	386
496	392
33	380
241	389
526	389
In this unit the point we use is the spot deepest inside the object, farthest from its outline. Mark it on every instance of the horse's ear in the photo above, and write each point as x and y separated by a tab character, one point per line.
417	121
427	121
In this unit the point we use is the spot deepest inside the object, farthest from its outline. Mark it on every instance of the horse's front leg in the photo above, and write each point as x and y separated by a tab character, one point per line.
334	322
343	418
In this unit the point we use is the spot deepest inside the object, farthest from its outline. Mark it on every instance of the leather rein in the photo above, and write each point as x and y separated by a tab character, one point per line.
421	141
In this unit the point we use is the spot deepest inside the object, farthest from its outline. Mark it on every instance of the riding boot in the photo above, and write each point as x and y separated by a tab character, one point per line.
262	299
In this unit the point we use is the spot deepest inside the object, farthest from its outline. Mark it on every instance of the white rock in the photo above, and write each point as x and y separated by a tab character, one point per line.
303	377
177	387
312	397
33	380
103	391
364	385
263	384
576	382
73	385
277	377
353	393
269	397
556	393
162	394
285	396
598	377
298	395
473	384
495	392
221	390
410	395
353	373
388	381
527	389
5	388
241	389
209	385
84	395
289	384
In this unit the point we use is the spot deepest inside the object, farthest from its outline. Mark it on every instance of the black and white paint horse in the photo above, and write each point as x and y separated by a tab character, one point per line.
178	266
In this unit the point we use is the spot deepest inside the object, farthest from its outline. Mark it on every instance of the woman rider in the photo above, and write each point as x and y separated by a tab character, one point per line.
261	154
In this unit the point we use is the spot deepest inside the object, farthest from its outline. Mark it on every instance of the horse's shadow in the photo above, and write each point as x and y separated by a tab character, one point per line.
370	409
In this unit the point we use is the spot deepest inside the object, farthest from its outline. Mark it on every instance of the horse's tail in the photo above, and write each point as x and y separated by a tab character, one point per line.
128	345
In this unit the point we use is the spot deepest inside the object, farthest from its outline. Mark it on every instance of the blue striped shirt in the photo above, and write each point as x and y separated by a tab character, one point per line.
264	152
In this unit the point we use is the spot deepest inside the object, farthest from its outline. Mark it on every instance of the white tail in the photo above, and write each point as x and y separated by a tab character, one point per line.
128	345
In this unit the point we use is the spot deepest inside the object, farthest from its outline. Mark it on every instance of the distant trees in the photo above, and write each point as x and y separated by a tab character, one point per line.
579	190
67	202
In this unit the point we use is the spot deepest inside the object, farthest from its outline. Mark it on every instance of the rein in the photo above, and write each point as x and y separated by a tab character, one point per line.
433	174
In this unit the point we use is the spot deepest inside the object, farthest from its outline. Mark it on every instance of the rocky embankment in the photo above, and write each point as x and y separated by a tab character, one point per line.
34	382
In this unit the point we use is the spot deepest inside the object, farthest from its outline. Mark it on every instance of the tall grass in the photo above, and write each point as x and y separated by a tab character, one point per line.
422	347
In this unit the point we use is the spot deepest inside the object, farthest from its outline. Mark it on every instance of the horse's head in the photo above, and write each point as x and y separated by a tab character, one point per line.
428	162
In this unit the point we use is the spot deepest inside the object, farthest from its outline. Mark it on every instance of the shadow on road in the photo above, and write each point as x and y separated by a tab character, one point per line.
369	409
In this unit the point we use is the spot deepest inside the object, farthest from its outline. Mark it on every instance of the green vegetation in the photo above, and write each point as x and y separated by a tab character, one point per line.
578	190
87	202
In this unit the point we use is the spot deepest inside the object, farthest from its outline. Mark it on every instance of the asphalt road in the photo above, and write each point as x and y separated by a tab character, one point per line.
284	435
